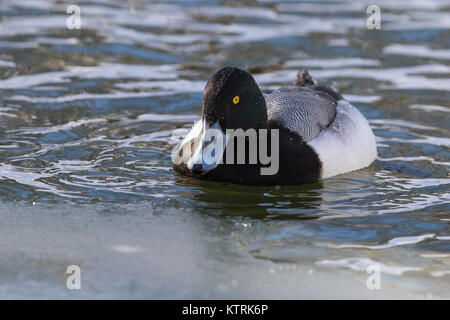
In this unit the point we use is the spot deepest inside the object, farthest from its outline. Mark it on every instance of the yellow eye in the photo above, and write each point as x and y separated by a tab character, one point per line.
236	100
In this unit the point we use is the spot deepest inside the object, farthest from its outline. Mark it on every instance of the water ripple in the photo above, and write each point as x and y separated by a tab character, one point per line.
88	119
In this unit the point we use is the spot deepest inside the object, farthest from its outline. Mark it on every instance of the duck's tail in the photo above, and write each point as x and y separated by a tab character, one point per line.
304	79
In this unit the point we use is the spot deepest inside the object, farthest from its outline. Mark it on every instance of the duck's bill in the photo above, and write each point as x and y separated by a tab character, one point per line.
209	148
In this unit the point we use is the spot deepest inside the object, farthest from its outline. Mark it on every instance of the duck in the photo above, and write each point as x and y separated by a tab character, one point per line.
299	133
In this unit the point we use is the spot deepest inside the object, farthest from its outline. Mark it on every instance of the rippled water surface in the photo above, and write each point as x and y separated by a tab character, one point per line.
86	119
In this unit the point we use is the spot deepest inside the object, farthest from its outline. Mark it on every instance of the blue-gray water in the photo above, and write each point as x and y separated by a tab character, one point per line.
86	118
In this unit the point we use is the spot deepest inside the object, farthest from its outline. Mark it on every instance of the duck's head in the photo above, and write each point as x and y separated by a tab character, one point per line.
231	100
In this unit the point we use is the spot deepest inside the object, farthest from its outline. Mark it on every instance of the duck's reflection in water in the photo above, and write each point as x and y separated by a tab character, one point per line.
269	202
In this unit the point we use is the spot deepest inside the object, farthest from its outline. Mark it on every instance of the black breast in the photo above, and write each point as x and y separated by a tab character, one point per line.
298	164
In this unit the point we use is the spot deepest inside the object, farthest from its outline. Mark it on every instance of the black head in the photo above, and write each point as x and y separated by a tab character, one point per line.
233	98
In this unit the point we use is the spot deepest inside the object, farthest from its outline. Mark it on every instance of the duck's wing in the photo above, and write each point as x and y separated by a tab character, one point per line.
306	110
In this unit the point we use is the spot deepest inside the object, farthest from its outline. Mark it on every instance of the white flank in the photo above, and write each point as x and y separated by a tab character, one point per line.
347	144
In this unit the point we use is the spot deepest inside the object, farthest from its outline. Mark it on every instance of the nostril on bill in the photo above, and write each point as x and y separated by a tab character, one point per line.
197	168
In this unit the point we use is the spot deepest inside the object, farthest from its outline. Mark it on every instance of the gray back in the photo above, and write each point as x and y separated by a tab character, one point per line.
301	109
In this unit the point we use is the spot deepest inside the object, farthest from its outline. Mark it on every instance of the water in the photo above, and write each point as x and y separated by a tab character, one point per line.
86	118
